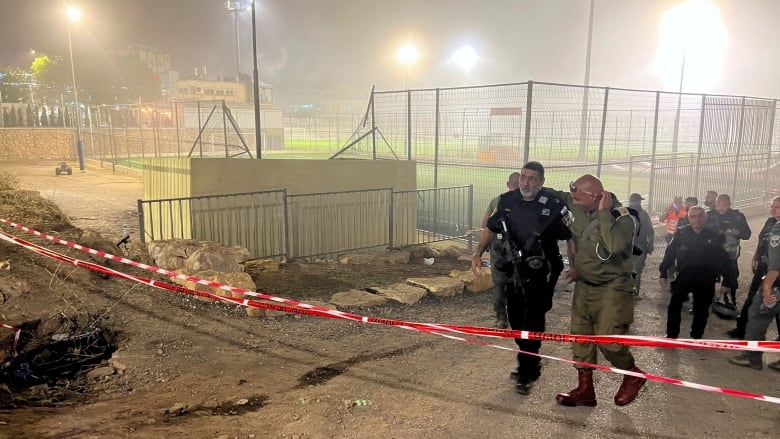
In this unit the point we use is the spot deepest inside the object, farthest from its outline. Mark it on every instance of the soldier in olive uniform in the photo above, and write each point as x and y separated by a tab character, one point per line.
759	267
489	238
603	302
762	312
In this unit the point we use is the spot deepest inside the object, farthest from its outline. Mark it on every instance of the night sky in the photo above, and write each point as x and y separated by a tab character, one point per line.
350	45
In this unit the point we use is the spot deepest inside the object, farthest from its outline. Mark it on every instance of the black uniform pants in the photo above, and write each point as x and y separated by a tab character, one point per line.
755	286
703	294
526	312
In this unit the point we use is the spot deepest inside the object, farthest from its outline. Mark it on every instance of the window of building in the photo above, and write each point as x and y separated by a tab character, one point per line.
184	91
198	90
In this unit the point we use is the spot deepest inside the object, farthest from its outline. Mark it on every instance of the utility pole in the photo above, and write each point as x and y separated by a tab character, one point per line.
586	89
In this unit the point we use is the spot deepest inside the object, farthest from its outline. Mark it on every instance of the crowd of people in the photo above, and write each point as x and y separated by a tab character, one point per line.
607	249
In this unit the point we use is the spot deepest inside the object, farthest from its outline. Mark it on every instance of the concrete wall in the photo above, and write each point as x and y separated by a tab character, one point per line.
37	144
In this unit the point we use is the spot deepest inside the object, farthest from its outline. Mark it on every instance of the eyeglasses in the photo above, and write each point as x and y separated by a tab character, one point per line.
573	188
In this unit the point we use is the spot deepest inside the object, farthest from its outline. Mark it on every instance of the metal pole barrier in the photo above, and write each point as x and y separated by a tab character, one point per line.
697	171
408	124
178	136
141	128
224	128
603	128
527	143
769	145
390	220
739	147
373	125
653	164
200	127
470	216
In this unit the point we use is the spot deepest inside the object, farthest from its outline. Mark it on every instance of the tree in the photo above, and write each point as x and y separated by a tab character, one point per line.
117	78
44	117
14	83
12	118
29	116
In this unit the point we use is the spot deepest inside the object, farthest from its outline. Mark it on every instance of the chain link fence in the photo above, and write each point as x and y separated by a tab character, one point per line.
655	143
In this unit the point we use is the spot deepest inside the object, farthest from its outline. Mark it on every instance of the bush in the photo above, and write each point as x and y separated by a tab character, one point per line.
8	182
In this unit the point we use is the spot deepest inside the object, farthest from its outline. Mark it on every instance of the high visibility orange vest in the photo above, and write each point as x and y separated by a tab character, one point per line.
673	218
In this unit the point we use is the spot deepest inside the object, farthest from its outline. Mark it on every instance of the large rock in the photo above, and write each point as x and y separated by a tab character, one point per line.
357	259
262	265
452	251
420	251
396	257
442	286
357	299
403	293
472	283
94	240
197	255
218	258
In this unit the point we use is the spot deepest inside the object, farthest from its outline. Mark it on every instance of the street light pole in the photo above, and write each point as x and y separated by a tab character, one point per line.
256	87
74	15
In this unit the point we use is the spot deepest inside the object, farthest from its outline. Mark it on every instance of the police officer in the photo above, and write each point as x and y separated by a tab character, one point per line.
499	277
762	312
734	227
645	239
759	267
531	225
696	252
603	303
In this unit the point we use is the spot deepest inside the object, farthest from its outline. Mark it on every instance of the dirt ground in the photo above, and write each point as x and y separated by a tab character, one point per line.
205	370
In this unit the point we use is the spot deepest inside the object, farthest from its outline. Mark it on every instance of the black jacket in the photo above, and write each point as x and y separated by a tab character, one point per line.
534	226
699	258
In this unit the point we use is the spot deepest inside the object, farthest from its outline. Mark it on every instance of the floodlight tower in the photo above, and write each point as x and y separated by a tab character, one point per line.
236	7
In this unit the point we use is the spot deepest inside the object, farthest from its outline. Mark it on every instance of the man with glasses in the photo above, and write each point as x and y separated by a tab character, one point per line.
531	224
603	302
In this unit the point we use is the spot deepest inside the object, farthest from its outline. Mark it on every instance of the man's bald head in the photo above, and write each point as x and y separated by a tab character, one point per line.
589	183
586	192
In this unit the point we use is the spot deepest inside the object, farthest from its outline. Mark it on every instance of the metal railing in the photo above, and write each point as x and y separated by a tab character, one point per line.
659	144
277	224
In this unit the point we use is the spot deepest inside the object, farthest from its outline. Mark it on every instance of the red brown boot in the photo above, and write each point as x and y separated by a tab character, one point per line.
629	390
583	394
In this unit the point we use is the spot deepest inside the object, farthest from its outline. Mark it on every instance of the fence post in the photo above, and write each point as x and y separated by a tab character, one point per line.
697	171
373	125
436	143
436	167
603	128
527	142
739	147
224	127
769	145
200	138
140	128
653	164
141	230
286	224
178	137
390	219
470	215
408	124
630	172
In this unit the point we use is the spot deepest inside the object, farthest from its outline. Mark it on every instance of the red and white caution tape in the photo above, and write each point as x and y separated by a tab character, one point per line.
628	340
417	327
